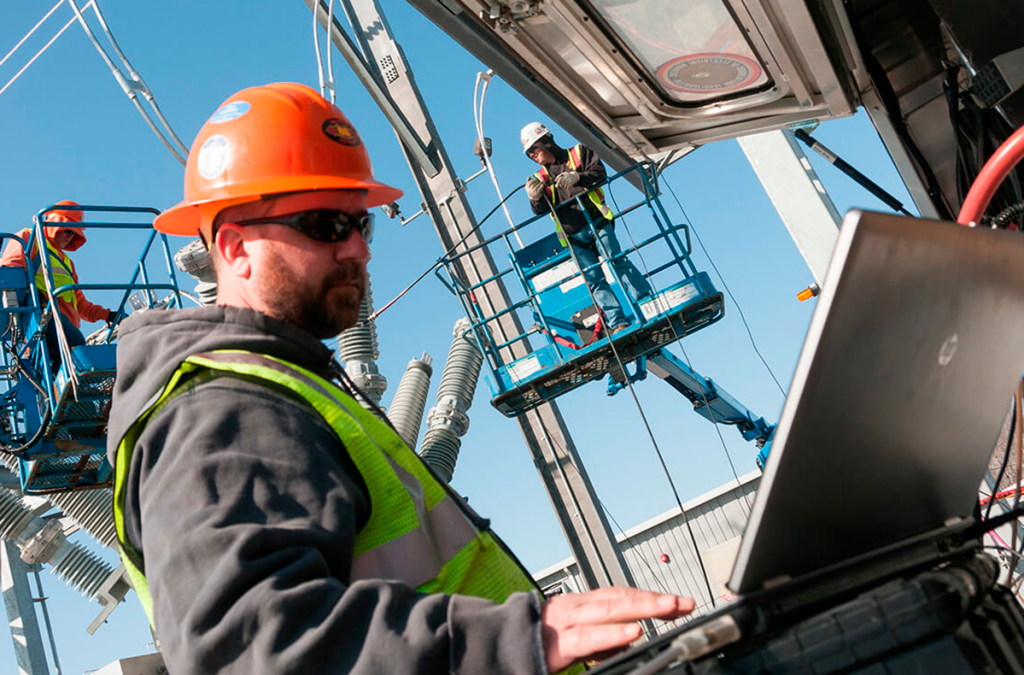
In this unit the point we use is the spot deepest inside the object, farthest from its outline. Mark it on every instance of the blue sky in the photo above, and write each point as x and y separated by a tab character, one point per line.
69	132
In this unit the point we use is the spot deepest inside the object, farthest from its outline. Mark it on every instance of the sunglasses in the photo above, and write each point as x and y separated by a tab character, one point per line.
323	224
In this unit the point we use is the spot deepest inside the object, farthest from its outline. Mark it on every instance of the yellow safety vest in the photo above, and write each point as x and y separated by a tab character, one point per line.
596	195
419	531
63	274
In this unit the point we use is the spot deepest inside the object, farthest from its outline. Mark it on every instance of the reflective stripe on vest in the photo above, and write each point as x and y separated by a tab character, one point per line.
63	274
418	532
596	195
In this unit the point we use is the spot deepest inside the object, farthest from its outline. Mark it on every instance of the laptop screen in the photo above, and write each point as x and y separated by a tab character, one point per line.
898	397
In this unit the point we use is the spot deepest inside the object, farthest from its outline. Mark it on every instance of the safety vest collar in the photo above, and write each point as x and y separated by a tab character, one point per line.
596	196
418	533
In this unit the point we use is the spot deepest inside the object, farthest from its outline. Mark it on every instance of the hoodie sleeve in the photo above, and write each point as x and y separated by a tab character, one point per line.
88	310
248	513
14	253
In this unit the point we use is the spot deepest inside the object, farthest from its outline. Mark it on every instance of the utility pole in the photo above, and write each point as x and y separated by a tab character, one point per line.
380	64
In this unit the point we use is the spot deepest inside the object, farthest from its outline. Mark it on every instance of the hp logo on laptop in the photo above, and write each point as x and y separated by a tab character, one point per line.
948	350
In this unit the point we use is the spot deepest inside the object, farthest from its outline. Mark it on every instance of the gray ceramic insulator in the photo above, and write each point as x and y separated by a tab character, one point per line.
358	351
194	260
92	510
406	411
447	422
72	563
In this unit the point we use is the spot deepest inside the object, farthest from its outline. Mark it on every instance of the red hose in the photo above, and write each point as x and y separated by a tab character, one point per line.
999	165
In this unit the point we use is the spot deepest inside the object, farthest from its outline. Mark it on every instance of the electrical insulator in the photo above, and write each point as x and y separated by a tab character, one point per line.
43	541
448	421
194	260
92	510
406	411
358	351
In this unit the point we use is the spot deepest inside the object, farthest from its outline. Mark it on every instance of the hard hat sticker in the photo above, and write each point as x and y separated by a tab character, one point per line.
341	131
213	157
231	111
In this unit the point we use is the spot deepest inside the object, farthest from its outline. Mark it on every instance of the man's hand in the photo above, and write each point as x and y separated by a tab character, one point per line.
534	189
576	627
566	180
111	317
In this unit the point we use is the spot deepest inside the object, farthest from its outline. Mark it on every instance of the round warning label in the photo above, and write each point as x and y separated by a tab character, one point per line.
213	157
709	73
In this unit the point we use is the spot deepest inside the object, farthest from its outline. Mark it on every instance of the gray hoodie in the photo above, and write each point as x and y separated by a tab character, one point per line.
245	506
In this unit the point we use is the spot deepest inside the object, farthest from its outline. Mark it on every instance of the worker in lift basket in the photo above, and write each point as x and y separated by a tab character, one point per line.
563	175
268	522
72	306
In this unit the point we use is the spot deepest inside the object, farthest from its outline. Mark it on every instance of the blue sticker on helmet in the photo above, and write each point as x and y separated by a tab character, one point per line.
231	111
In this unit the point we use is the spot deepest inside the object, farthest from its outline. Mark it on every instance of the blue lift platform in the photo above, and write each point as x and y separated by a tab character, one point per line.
54	420
563	349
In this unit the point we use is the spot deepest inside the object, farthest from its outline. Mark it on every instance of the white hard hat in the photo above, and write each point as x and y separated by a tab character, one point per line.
532	133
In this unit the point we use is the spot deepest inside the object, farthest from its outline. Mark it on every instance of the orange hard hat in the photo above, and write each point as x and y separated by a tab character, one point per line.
72	215
268	140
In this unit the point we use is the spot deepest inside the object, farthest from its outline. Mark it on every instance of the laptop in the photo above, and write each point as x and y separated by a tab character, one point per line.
906	375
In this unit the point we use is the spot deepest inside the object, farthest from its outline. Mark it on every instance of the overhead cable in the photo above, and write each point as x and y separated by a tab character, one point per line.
39	53
678	340
29	34
721	278
326	84
446	254
483	81
639	406
131	82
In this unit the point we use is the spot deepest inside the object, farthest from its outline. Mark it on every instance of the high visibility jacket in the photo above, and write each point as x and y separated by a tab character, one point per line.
63	273
596	195
418	531
72	304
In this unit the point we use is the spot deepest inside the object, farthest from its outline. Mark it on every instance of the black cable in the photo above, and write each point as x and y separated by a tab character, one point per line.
642	558
632	392
1006	456
678	339
1007	214
445	255
47	414
739	309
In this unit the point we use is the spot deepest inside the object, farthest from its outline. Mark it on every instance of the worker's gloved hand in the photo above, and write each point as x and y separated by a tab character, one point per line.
566	180
534	189
111	317
579	626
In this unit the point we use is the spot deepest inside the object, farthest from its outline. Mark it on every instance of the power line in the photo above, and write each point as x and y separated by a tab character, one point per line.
721	278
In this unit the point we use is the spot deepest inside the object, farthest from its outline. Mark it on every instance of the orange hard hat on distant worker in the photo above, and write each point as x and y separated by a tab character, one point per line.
268	140
72	215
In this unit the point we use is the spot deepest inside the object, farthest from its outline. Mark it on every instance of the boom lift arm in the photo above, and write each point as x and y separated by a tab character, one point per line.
709	400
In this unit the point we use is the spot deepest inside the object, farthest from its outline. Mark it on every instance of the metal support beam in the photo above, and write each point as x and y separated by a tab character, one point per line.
805	208
21	612
586	528
371	80
901	157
